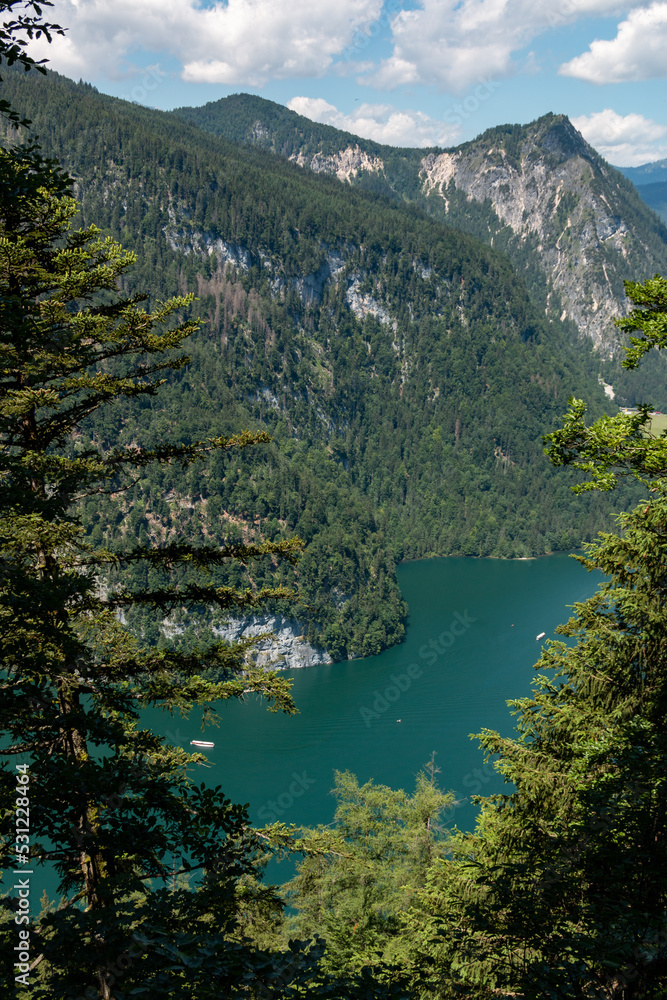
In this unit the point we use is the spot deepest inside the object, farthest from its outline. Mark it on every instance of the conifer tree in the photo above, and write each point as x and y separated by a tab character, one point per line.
112	811
156	873
383	841
561	892
26	23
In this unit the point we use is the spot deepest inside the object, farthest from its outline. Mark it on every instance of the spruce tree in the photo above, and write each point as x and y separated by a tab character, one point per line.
112	810
382	841
158	876
561	891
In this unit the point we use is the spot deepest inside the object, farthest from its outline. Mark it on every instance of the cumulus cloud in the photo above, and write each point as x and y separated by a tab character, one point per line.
380	122
637	52
625	140
453	44
449	44
234	42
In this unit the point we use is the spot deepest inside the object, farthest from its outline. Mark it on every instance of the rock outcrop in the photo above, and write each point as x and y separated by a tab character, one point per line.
556	194
573	226
286	649
346	164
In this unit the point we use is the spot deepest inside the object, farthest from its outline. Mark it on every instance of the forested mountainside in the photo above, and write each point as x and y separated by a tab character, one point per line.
572	224
655	195
399	365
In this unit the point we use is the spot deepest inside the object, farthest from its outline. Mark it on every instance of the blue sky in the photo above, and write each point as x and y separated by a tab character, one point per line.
406	72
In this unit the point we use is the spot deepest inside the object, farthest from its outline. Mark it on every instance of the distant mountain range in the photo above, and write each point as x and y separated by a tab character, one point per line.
650	179
573	225
647	173
405	369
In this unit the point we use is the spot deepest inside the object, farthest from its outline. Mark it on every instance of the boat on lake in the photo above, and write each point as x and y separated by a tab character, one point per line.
201	743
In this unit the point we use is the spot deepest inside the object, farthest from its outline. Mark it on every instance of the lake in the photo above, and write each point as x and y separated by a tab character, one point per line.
470	646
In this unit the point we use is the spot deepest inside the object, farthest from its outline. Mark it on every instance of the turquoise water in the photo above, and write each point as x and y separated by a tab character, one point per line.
470	646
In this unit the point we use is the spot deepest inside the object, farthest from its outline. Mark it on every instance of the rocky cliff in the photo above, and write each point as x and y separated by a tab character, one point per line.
346	164
566	205
285	649
397	364
574	226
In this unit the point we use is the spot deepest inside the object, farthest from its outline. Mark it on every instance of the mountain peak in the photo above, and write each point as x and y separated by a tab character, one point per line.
572	225
552	134
254	120
562	139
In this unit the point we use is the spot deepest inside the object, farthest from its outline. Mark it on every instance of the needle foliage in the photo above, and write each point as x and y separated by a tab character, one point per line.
561	891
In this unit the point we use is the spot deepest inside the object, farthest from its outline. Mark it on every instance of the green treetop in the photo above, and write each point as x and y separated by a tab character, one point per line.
383	841
113	812
561	892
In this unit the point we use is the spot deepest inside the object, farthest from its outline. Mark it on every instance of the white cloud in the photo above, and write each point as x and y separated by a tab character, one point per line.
637	52
449	44
453	44
234	42
380	122
625	140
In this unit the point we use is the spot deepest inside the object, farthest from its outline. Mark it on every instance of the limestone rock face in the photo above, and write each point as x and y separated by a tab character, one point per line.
572	225
346	164
286	649
566	204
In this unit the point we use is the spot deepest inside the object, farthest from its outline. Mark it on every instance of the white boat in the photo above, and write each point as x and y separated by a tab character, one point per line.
540	636
201	743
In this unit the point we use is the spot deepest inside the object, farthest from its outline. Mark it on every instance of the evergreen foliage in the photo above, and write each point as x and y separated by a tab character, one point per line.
559	892
357	896
113	813
250	119
562	890
406	429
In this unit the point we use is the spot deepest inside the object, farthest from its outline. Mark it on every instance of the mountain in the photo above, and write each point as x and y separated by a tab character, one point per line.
650	179
647	173
655	196
400	366
572	224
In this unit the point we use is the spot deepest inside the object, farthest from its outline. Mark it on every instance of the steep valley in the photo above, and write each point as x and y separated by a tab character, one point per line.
403	368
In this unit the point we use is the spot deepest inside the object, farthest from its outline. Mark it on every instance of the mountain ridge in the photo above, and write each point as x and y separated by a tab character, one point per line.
583	281
398	364
650	179
646	173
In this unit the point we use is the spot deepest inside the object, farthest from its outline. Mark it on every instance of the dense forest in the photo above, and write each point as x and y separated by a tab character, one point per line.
399	366
649	180
501	151
560	892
